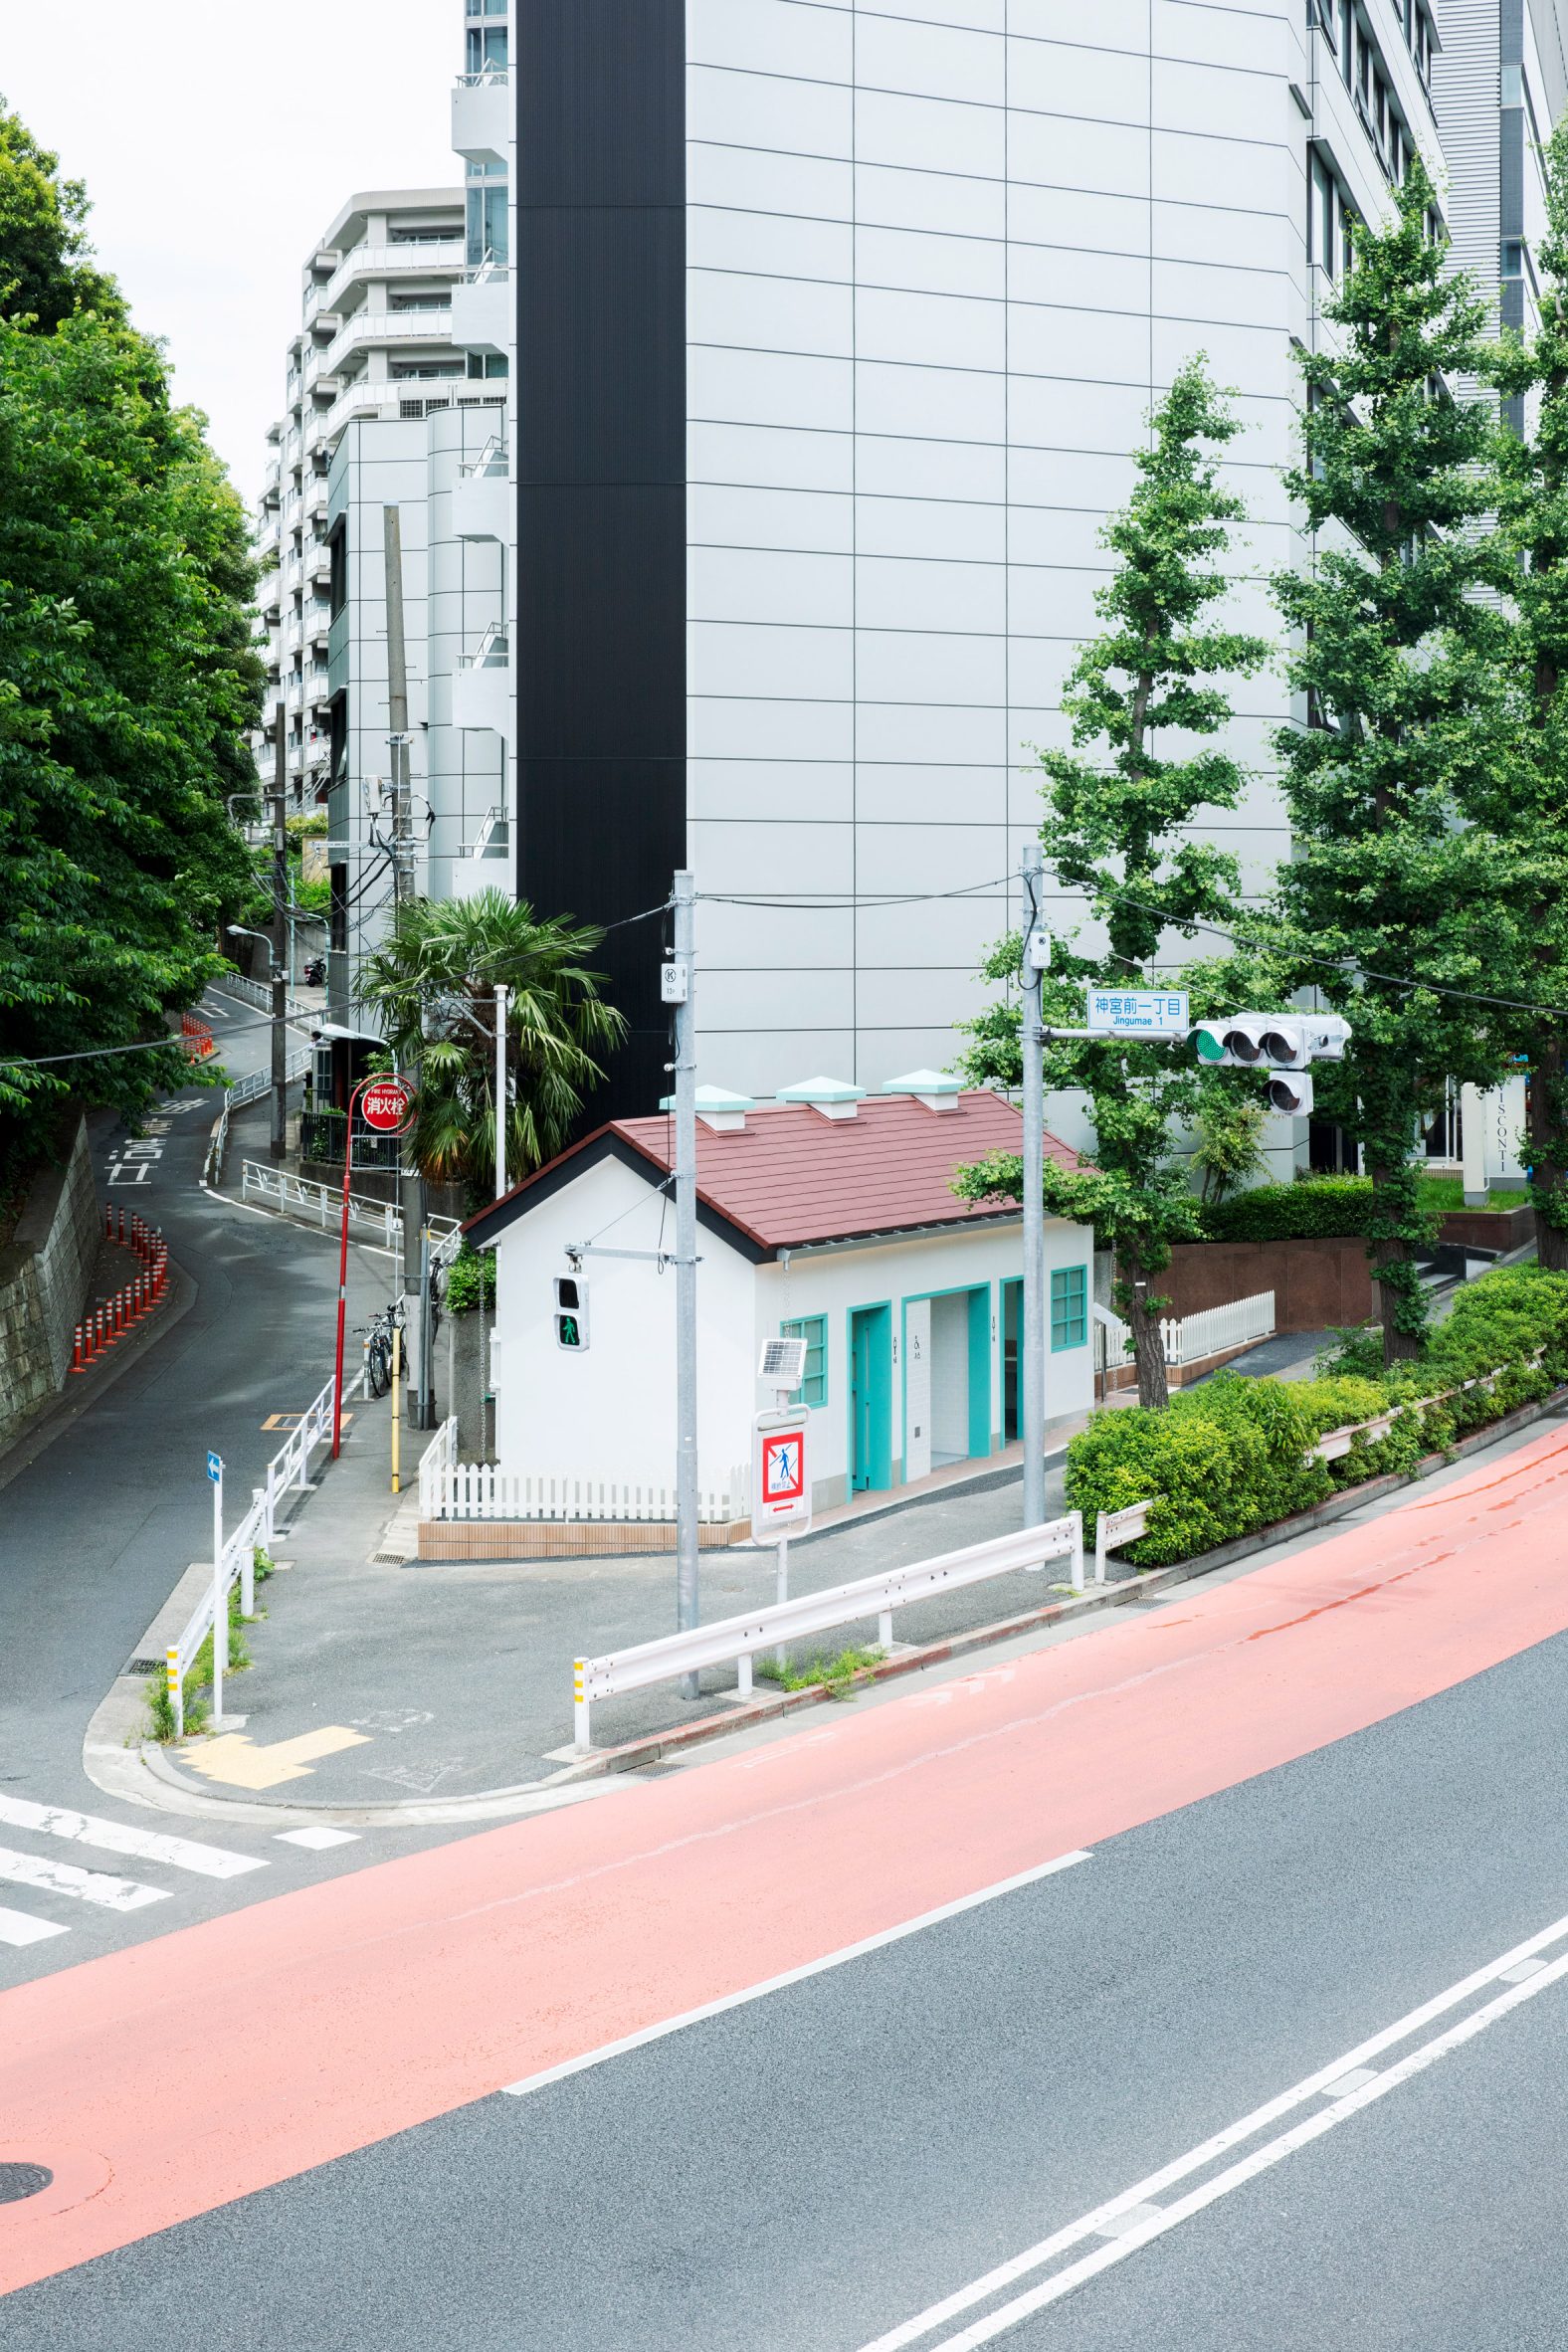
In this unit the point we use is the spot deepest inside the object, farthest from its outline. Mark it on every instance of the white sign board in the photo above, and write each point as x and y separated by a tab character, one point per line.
1138	1012
780	1475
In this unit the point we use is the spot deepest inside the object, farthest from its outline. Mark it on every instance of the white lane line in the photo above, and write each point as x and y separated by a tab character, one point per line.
17	1928
1264	2159
1303	2093
112	1836
791	1976
84	1887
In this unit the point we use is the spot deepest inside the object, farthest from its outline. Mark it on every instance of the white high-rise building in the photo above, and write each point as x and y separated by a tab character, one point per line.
838	323
399	395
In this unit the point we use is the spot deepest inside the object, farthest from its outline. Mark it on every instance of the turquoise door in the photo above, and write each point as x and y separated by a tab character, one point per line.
871	1399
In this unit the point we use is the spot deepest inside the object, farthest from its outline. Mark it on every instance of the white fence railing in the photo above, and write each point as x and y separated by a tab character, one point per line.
257	993
247	1089
453	1490
1240	1322
289	1468
323	1204
740	1638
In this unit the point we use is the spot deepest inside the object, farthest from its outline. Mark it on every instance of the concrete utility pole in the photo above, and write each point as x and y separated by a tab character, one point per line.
1032	1383
687	1606
502	997
411	1185
279	928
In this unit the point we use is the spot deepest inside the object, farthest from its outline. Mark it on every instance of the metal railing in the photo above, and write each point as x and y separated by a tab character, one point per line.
289	1468
494	651
490	462
249	1089
740	1638
323	1204
259	993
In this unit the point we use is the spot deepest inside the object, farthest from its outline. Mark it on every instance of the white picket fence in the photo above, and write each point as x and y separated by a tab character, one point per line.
453	1490
289	1468
1240	1322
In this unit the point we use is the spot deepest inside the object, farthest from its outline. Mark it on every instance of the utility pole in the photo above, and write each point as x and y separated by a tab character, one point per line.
502	995
411	1185
684	993
1032	1384
279	932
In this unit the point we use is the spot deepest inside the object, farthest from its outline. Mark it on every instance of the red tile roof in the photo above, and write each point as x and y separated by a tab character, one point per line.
791	1176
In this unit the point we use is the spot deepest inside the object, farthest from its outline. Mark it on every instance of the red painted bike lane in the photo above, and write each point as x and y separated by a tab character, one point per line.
162	2082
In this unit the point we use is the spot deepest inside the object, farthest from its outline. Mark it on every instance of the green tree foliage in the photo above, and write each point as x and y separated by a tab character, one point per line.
127	677
1399	660
432	984
1530	809
1148	697
1228	1150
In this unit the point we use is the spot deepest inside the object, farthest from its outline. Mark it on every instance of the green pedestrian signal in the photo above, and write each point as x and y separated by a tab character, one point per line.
571	1313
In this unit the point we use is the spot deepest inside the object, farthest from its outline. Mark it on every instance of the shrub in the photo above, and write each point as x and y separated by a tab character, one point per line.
470	1281
1316	1207
1234	1455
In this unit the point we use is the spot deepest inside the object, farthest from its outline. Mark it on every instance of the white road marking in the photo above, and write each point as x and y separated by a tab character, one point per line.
84	1887
317	1841
112	1836
17	1928
1162	2219
791	1976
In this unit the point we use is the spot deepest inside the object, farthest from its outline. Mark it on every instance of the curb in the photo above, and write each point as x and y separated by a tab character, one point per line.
55	1418
125	1766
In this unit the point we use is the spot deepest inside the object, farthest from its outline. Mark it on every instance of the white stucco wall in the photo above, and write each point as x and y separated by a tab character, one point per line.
608	1415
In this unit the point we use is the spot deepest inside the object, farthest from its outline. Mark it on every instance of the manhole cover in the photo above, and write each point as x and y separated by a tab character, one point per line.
21	2180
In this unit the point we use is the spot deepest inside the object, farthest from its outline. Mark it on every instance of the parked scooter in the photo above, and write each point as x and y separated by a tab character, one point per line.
316	972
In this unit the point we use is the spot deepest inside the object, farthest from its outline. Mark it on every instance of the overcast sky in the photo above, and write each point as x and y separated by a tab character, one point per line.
217	139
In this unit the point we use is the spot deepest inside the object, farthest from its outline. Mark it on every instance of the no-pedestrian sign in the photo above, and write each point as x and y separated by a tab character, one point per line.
386	1106
780	1473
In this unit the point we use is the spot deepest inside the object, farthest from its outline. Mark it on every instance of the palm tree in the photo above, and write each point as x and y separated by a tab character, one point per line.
433	984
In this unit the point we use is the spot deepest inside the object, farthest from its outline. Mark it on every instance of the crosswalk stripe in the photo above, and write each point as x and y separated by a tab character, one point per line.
84	1887
17	1928
112	1836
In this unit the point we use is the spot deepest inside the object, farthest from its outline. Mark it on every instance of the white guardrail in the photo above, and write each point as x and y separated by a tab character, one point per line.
259	993
740	1638
323	1204
289	1468
247	1089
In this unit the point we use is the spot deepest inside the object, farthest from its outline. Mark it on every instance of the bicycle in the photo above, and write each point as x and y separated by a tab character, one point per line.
378	1349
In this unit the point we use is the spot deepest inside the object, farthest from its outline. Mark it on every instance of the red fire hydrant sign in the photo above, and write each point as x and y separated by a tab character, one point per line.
780	1473
386	1106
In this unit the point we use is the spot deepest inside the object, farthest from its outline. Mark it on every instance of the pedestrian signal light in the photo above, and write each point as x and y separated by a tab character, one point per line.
571	1313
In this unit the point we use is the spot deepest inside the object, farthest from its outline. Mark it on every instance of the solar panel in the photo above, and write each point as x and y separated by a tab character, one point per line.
783	1362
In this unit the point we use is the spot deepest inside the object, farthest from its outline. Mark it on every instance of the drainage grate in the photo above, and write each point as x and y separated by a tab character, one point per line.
21	2180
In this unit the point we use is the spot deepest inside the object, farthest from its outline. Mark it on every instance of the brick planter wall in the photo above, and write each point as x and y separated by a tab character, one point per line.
45	1272
1487	1229
1318	1286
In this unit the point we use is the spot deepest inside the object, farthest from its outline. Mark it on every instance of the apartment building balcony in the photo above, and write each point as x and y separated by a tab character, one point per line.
272	598
482	496
375	329
486	865
482	119
318	567
481	309
482	690
405	262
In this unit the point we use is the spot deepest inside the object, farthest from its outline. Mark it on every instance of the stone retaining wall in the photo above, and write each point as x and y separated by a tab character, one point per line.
46	1272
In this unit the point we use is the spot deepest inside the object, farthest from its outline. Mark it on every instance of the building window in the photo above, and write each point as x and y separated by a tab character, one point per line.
813	1389
487	226
487	363
1068	1306
488	49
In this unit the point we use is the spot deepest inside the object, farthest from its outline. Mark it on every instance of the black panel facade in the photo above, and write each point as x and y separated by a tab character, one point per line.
601	462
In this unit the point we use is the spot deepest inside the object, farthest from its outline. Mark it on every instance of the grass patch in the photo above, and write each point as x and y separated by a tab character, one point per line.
198	1679
837	1676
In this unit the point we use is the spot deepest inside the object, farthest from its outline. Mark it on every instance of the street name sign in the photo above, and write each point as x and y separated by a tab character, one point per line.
386	1106
780	1475
1138	1012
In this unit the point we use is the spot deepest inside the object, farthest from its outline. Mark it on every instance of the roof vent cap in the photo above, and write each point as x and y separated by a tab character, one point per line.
938	1089
832	1098
724	1112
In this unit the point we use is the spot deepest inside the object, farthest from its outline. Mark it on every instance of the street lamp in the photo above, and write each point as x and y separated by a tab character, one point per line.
242	931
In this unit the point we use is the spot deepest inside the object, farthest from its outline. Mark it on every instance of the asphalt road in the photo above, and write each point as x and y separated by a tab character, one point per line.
98	1529
808	2171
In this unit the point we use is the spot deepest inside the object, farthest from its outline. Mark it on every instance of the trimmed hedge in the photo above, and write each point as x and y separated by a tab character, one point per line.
1316	1208
1234	1454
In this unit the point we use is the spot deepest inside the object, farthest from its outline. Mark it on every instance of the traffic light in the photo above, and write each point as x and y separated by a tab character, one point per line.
1284	1044
1234	1041
1293	1040
1290	1093
571	1313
